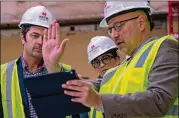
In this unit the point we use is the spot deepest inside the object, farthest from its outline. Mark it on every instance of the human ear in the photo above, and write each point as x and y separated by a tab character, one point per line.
142	23
22	38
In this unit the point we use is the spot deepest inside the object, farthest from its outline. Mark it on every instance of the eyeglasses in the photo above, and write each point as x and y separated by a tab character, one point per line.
118	25
105	60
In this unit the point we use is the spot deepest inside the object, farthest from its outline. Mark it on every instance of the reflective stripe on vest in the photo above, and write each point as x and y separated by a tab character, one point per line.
143	57
8	87
108	76
139	64
13	110
173	111
105	79
94	113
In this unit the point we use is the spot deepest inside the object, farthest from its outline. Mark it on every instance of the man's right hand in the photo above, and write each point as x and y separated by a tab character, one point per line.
83	92
53	47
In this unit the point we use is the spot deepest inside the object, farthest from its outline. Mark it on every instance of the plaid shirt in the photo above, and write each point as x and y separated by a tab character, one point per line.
26	73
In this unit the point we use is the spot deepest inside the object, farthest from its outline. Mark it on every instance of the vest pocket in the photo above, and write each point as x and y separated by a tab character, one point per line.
133	81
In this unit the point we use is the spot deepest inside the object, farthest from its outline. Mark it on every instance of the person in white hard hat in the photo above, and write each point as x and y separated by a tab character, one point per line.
41	54
102	54
144	85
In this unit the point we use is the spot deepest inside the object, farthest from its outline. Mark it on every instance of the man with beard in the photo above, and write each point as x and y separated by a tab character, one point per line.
146	84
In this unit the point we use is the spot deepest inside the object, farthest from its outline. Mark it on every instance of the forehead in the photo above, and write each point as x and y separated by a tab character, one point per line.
36	29
104	55
123	17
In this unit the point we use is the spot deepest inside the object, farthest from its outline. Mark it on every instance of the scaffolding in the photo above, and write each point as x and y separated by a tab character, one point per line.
173	11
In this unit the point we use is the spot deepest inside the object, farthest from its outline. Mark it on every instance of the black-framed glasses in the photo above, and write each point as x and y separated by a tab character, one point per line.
118	25
105	60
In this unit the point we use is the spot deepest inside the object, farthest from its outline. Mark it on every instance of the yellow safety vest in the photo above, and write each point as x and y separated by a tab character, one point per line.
126	78
11	96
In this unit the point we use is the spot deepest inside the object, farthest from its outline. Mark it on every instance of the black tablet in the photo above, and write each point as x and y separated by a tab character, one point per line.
48	96
48	84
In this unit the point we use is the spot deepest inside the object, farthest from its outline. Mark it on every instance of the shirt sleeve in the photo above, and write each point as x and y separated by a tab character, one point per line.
160	94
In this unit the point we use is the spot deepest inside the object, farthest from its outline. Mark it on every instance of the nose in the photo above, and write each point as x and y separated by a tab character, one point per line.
114	33
101	64
40	40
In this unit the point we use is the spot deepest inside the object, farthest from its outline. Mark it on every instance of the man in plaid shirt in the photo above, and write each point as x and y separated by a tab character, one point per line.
42	49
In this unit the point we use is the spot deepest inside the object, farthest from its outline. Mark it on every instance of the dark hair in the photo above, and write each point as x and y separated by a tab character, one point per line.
113	52
24	29
133	10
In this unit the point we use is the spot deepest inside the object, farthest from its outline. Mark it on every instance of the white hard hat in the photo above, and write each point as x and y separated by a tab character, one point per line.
114	7
99	45
37	15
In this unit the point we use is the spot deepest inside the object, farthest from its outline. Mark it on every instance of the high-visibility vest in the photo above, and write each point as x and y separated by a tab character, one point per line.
126	78
10	89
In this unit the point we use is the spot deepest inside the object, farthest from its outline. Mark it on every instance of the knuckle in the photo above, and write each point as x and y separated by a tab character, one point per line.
90	84
69	93
85	100
85	95
75	93
87	89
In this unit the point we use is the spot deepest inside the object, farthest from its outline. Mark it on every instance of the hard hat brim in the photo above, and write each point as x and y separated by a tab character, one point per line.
37	24
99	54
103	23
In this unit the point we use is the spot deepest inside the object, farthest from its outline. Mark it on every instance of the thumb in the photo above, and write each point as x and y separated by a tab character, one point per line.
80	77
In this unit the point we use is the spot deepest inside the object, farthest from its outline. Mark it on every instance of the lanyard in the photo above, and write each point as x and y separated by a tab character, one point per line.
21	86
23	90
